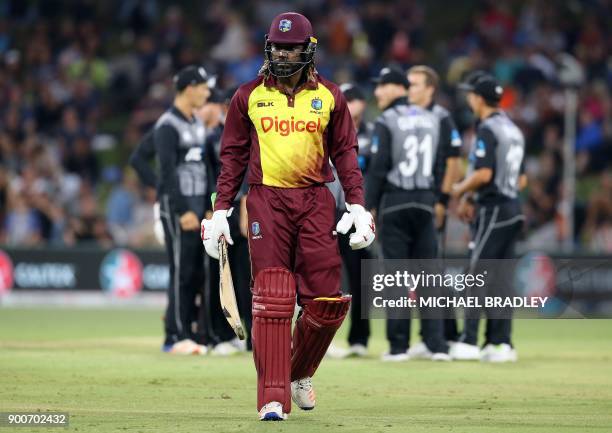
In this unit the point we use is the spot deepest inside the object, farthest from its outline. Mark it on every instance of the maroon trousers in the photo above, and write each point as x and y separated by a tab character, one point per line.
294	228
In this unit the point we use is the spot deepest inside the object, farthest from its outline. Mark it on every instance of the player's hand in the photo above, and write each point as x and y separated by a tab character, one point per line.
212	230
364	226
189	221
440	215
158	227
456	190
465	210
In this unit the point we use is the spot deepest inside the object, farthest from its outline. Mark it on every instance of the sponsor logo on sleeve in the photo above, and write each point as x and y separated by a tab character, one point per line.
455	138
480	149
256	230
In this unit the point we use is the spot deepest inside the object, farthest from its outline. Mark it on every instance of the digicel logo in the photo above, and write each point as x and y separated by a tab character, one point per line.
285	127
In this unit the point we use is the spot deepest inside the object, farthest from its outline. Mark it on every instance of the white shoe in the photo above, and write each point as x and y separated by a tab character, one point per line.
498	353
441	356
238	344
225	349
419	351
358	350
335	352
186	347
398	357
272	411
302	393
464	352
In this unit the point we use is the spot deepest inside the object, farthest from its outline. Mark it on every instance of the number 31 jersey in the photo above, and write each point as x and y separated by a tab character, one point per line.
414	133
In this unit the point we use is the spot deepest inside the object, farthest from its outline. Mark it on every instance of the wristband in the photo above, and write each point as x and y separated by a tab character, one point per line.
443	198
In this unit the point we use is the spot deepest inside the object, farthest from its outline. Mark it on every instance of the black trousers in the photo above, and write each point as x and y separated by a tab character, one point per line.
359	331
408	232
496	231
451	330
185	255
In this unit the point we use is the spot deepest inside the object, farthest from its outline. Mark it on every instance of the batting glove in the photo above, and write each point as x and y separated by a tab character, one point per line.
363	222
212	230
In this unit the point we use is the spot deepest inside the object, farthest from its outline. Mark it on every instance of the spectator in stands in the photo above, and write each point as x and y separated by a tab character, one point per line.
69	71
88	226
598	226
22	225
120	208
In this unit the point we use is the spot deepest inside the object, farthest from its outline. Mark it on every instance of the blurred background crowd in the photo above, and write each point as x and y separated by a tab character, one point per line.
81	81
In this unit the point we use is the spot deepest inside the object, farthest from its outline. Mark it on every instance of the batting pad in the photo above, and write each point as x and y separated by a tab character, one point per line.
313	333
273	306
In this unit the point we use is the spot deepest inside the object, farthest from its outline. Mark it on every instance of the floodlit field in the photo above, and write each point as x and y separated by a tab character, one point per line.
104	367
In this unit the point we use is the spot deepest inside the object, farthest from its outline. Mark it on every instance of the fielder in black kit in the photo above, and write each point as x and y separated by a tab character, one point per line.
494	185
184	186
401	186
424	83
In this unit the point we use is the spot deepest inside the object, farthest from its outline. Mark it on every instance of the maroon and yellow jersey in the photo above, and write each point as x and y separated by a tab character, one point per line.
287	140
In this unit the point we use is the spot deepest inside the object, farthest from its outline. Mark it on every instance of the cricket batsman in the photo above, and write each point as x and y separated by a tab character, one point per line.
284	126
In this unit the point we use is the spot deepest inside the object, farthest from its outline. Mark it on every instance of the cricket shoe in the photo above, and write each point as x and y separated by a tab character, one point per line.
225	349
272	411
419	351
335	352
498	353
395	357
356	350
239	344
185	347
302	393
441	357
464	352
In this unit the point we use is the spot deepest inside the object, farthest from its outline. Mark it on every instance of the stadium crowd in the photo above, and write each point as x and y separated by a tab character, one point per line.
82	81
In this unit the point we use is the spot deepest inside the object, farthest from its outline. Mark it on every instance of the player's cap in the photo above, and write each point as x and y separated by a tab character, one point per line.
290	28
351	92
190	76
489	88
391	75
470	79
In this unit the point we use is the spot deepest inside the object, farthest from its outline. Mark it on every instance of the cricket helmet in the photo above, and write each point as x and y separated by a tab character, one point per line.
290	28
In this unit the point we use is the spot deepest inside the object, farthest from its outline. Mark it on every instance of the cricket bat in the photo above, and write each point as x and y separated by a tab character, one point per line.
226	289
226	292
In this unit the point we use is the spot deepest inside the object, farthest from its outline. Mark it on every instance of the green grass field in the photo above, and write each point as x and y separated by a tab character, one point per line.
104	367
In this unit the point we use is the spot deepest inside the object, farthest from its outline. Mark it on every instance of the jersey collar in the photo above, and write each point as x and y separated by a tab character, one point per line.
310	84
180	114
402	100
493	114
